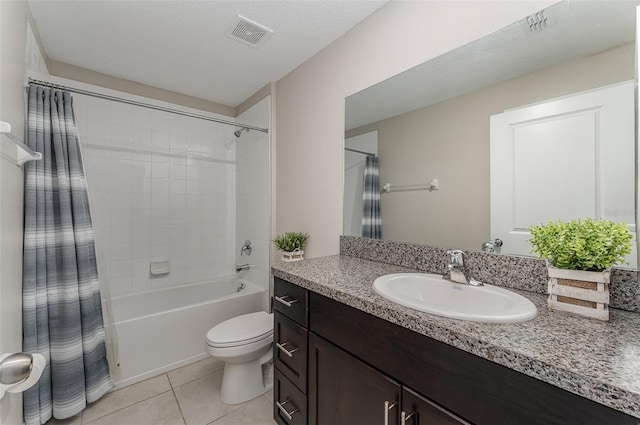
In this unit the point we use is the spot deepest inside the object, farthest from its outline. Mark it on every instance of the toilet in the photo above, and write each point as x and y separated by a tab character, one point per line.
244	344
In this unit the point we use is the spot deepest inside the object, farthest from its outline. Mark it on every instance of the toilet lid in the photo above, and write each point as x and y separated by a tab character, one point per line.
241	330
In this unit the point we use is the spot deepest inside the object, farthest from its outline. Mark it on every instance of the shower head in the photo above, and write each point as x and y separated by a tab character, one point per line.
237	133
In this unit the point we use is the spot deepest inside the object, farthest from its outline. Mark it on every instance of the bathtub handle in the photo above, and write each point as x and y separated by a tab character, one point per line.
286	302
284	350
289	415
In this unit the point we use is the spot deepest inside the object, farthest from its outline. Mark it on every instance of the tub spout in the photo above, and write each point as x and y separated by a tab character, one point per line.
241	267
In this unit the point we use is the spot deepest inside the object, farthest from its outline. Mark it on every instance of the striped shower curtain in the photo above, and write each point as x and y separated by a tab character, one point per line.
62	314
371	218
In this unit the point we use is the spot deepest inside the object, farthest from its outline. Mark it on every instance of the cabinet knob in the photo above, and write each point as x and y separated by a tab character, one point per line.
289	353
388	406
283	300
281	407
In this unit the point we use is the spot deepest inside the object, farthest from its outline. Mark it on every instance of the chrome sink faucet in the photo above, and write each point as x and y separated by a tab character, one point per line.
457	270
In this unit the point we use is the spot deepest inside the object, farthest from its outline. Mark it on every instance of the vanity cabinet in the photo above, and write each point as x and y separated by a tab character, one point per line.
361	369
418	410
344	390
290	355
290	337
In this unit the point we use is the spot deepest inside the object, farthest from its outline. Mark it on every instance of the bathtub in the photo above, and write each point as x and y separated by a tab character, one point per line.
162	329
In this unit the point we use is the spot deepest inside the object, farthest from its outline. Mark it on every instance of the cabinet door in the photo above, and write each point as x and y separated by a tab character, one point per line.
344	390
417	410
290	350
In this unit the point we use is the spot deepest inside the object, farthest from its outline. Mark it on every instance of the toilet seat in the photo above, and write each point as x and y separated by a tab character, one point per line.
241	330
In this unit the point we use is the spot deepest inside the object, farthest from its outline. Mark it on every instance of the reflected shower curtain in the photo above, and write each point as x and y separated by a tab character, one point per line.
371	218
62	314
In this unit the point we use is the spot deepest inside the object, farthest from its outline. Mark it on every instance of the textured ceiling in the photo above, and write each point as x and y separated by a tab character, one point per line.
181	45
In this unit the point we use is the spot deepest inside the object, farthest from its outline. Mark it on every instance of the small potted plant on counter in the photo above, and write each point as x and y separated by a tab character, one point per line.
292	243
580	254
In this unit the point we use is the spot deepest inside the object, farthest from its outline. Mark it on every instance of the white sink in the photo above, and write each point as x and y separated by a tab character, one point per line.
433	294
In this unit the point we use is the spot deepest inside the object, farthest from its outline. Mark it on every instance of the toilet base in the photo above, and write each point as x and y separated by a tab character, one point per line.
242	382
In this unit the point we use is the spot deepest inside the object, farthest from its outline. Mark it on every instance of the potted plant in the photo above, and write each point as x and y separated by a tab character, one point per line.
292	243
580	254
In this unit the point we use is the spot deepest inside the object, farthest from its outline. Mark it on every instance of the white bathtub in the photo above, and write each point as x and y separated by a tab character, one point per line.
163	329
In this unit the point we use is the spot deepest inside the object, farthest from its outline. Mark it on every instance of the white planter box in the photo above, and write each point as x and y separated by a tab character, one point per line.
296	255
579	292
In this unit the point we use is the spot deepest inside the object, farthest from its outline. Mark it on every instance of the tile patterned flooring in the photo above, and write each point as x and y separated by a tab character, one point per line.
189	395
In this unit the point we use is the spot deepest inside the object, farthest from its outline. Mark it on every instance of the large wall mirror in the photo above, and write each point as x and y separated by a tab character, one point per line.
561	83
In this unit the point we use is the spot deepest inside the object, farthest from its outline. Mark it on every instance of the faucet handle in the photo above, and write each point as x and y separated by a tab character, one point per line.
246	247
457	256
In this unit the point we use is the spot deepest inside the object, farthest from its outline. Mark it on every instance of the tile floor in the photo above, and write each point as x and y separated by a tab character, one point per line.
189	395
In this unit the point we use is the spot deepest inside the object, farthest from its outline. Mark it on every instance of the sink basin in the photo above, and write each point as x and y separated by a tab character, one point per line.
433	294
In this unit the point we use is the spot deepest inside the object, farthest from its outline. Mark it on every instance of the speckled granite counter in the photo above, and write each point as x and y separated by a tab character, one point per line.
597	360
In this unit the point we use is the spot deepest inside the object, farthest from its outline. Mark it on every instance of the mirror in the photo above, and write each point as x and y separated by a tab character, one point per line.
430	126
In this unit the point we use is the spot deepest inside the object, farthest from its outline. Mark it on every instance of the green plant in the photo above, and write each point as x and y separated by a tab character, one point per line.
582	244
291	240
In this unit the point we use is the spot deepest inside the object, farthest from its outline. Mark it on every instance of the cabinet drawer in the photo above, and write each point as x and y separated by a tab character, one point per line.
290	350
289	404
290	300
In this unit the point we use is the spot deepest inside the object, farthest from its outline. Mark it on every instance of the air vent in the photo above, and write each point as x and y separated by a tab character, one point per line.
248	32
538	22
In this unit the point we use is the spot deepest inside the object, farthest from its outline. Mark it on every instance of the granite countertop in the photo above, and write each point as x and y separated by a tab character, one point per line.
596	360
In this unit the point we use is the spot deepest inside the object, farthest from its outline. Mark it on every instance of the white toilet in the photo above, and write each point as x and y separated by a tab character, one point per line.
244	344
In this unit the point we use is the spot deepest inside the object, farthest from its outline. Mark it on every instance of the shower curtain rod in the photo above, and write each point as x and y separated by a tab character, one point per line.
357	151
144	105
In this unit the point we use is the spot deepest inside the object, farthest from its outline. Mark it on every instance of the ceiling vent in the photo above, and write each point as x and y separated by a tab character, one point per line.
248	32
538	22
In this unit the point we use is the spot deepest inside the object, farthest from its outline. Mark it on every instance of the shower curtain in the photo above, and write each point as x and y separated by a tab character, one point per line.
371	218
62	314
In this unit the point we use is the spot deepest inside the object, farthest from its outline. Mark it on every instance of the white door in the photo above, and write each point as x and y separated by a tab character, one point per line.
571	157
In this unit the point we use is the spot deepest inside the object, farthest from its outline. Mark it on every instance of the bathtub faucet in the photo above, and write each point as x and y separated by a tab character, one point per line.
240	267
247	247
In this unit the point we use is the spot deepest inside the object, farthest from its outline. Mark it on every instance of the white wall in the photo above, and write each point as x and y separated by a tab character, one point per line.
13	19
253	200
310	99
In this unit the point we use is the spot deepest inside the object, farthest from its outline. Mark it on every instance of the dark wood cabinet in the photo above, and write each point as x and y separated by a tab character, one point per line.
290	352
291	300
361	369
290	360
418	410
344	390
289	403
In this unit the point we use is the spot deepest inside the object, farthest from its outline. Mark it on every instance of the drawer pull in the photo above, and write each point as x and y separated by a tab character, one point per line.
289	415
388	406
284	350
404	417
283	300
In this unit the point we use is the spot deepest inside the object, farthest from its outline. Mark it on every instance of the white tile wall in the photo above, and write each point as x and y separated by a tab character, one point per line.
253	194
162	187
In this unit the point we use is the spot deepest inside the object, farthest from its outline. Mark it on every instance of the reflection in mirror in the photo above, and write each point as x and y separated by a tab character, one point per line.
434	123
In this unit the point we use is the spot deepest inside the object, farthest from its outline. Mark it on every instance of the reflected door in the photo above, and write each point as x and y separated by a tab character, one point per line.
566	158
